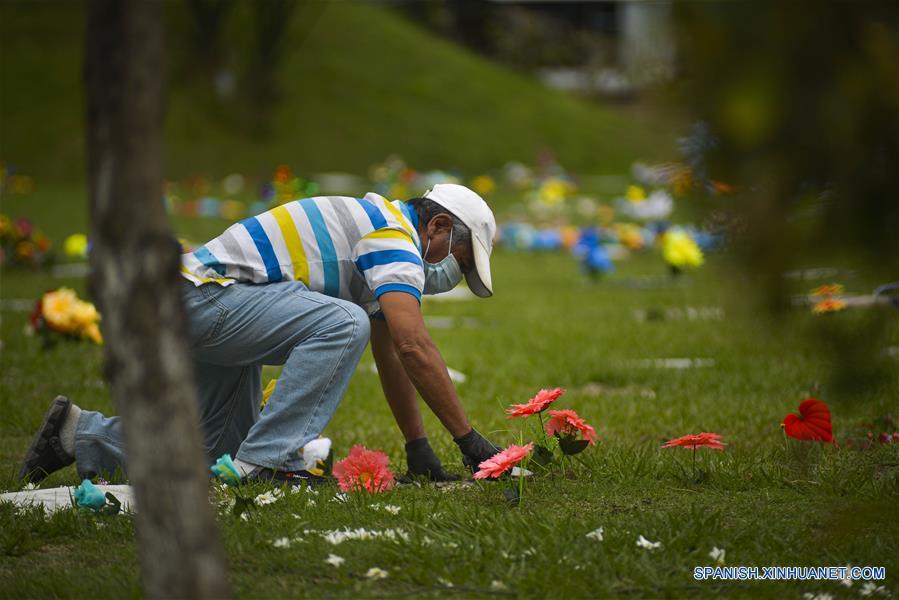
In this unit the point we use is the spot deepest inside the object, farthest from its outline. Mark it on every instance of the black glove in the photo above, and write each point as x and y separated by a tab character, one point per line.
475	449
423	462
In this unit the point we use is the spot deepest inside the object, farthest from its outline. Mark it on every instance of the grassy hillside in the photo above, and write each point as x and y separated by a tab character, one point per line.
360	82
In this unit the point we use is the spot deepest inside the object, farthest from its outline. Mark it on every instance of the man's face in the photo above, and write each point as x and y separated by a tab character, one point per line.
439	235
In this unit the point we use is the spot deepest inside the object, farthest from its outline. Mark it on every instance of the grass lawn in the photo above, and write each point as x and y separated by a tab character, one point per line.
547	326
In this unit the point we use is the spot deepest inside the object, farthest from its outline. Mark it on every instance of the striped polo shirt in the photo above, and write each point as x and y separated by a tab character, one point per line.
350	248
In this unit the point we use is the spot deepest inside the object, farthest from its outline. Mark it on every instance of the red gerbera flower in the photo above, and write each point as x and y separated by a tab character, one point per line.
535	405
501	462
566	422
363	469
812	422
698	440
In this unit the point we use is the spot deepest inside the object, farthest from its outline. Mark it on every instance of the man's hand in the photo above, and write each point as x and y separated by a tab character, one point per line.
423	462
475	449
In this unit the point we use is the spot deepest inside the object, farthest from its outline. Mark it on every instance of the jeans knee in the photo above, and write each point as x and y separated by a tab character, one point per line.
358	325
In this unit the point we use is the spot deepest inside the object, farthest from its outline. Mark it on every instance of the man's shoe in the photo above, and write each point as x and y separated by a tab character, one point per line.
291	478
46	454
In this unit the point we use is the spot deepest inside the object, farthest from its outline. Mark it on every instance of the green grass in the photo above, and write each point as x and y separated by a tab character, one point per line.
811	505
359	83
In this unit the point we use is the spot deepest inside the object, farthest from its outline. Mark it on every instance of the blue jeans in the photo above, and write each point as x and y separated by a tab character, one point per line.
232	332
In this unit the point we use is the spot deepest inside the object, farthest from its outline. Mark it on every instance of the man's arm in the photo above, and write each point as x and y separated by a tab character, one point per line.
422	362
396	384
401	397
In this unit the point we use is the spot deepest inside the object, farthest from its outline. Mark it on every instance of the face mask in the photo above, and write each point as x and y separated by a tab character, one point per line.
443	276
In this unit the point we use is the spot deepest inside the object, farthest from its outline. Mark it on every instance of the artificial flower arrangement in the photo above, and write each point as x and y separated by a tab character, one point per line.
680	251
564	430
23	245
88	496
61	313
827	299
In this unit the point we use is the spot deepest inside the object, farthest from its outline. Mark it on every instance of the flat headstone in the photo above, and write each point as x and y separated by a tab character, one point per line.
672	363
60	498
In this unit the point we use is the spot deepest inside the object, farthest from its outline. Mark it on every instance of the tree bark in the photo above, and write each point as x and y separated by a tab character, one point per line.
135	281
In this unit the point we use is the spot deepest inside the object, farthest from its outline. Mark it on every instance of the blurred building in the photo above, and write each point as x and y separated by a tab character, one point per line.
609	48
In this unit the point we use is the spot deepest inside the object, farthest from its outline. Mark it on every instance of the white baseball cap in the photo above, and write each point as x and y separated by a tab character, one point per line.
471	209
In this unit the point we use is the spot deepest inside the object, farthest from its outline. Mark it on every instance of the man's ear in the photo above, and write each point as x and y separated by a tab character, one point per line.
440	224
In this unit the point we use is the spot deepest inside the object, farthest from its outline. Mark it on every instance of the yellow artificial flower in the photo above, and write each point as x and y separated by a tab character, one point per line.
267	392
635	193
554	190
483	184
57	309
83	314
398	191
828	306
679	250
75	245
629	235
5	225
92	332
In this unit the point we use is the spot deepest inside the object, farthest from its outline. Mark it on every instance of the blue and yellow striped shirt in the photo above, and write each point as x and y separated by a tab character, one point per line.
350	248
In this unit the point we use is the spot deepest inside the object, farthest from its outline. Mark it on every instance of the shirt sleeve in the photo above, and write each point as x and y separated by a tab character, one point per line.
390	262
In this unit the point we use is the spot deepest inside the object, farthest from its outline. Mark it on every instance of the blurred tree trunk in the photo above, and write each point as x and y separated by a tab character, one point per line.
135	280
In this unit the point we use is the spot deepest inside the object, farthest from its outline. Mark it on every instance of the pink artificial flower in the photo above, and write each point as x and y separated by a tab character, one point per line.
535	405
566	422
501	462
363	469
699	440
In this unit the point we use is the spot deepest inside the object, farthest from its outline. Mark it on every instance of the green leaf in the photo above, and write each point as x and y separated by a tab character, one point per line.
542	456
571	445
113	505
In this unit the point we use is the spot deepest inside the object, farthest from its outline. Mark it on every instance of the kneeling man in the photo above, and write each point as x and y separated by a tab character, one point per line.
305	285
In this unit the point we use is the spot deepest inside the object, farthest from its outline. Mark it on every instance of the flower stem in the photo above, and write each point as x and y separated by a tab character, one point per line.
543	430
694	463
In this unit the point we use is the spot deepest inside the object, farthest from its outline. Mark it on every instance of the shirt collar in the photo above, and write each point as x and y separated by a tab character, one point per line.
412	215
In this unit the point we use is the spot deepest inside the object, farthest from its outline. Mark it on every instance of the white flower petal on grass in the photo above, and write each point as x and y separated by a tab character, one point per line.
642	542
335	560
376	573
596	534
268	498
281	543
497	585
29	486
311	502
717	554
340	497
871	588
338	536
444	582
392	509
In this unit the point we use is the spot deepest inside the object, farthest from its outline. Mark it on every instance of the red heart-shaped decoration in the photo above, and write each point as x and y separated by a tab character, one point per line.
812	422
